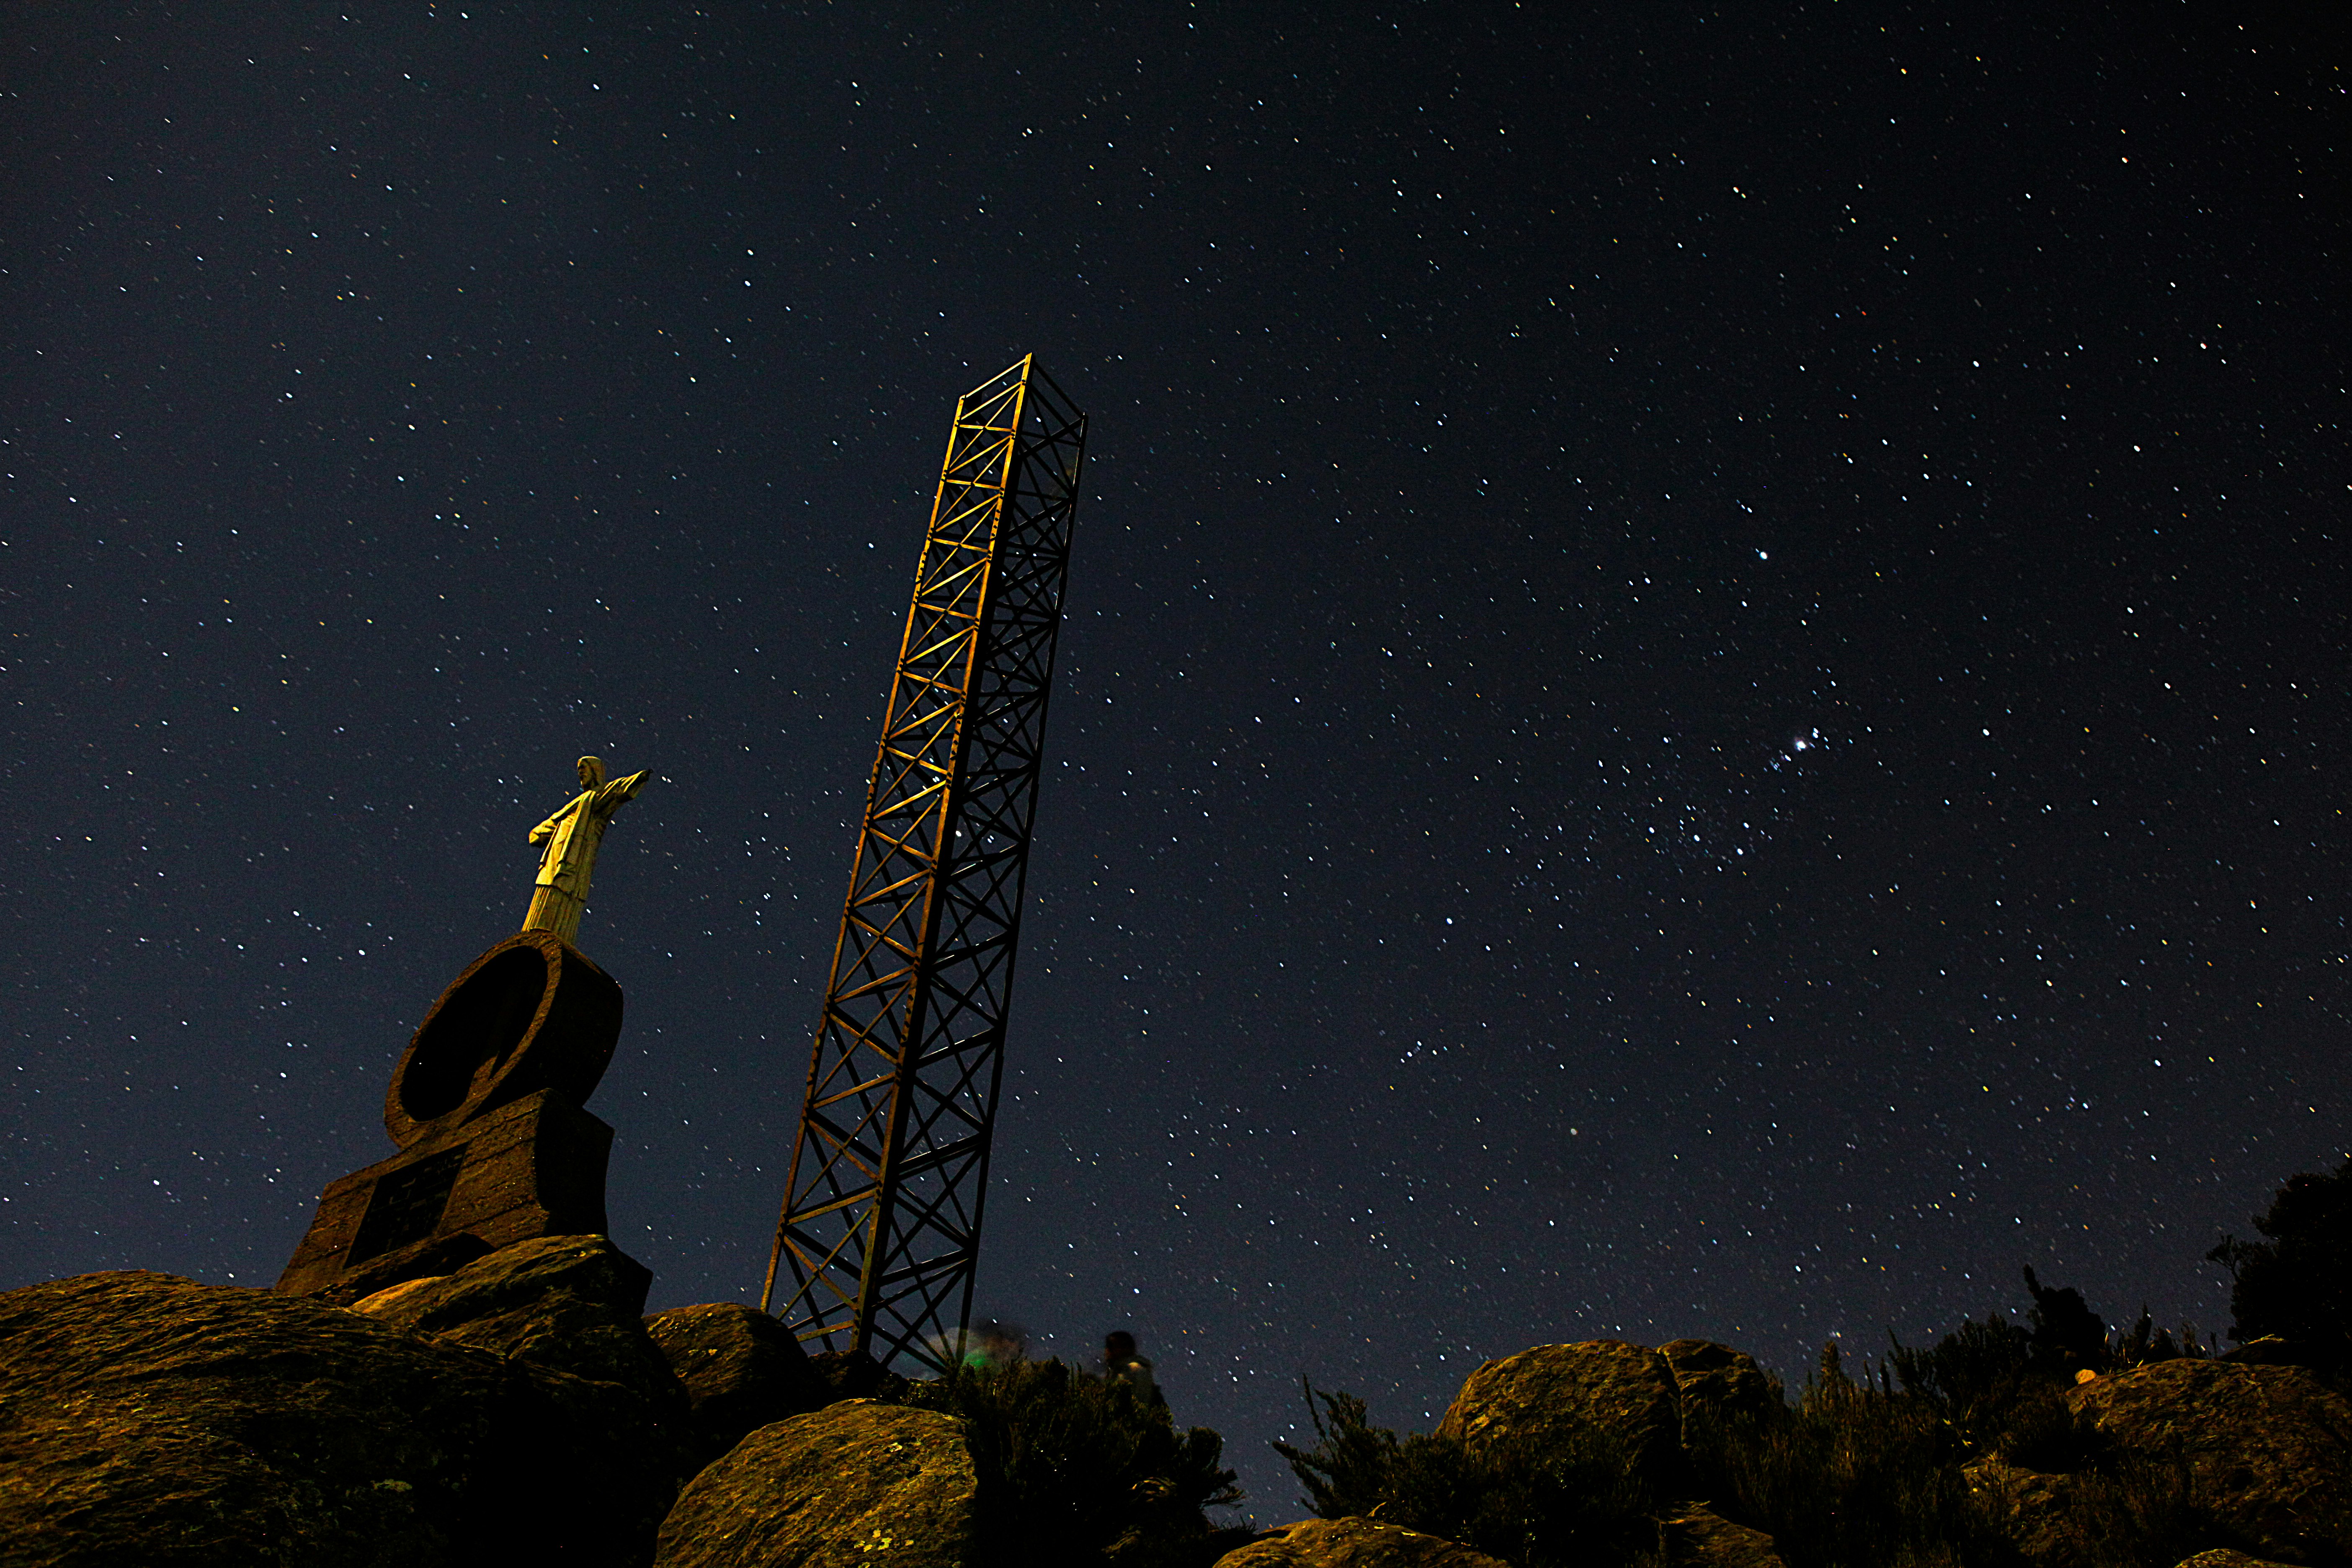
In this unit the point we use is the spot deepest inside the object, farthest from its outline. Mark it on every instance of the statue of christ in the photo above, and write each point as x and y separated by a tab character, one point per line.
570	836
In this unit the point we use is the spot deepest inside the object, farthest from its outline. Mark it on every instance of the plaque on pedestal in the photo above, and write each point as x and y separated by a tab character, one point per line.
485	1106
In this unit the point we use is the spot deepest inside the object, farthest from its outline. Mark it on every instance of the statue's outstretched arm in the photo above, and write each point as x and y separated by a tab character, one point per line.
539	835
620	791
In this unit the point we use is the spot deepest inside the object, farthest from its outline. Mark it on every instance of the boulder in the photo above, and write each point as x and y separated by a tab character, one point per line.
2223	1557
2269	1448
1554	1395
741	1368
1700	1538
856	1482
1719	1381
145	1418
574	1303
1353	1543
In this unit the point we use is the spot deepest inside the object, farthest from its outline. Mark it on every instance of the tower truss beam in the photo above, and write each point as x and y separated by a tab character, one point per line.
879	1237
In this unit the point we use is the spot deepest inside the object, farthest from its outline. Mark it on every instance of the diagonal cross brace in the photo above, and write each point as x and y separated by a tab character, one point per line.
909	1053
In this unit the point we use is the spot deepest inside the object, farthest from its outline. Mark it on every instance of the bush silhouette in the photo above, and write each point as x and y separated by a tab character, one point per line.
1973	1378
1997	1383
1075	1468
1923	1474
1851	1475
2146	1344
2296	1285
1860	1478
1346	1473
1568	1501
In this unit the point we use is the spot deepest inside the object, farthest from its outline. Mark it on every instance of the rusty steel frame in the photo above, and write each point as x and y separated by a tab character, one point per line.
879	1238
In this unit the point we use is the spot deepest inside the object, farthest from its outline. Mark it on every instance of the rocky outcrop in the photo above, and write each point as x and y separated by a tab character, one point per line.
145	1418
1720	1382
574	1303
741	1368
1556	1395
518	1408
854	1483
1353	1543
2223	1557
1700	1538
2269	1448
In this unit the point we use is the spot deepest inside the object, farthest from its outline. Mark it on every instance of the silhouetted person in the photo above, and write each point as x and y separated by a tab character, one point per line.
1121	1364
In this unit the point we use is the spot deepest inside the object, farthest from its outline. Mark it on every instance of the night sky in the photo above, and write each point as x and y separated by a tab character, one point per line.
1703	691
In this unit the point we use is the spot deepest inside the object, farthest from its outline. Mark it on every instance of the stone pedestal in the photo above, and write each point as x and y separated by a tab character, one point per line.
485	1106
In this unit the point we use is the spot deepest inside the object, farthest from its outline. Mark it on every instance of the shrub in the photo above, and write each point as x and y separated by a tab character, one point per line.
1972	1378
1852	1477
1346	1473
2146	1344
2126	1514
1566	1502
1997	1383
1573	1500
1076	1469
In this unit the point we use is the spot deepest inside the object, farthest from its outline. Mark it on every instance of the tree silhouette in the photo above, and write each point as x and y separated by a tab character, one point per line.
2297	1284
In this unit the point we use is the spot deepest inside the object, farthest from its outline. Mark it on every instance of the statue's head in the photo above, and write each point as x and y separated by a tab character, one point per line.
591	773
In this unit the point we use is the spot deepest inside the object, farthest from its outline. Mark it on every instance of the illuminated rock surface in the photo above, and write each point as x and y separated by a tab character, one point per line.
856	1482
2269	1447
574	1303
1699	1538
1550	1393
742	1368
1353	1543
149	1418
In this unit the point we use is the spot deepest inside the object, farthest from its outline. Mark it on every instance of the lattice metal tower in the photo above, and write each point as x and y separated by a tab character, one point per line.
879	1236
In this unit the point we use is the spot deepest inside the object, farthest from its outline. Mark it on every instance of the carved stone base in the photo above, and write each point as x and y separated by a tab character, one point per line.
533	1167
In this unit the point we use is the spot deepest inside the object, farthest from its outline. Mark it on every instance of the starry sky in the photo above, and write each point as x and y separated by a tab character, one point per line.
1702	692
